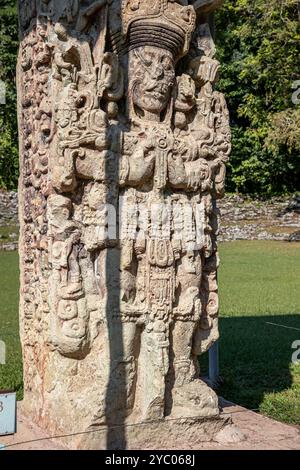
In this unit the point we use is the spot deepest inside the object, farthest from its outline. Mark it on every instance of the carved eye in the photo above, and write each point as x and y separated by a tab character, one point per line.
166	62
148	58
148	61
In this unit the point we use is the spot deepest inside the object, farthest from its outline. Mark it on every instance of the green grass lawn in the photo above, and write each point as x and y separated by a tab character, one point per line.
259	284
11	373
9	233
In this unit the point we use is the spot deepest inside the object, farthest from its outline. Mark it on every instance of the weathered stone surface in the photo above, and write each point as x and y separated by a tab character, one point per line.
248	431
124	143
160	434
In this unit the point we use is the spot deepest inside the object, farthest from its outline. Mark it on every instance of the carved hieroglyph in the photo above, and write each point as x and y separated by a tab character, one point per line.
123	144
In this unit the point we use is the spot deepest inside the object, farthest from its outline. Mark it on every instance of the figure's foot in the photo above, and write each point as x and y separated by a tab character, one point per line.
155	410
195	400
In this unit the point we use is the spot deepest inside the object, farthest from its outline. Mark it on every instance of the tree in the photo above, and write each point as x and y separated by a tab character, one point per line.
8	113
258	46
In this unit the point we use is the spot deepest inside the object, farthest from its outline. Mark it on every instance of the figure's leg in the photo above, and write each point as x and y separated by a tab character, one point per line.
183	363
155	349
74	272
189	395
122	375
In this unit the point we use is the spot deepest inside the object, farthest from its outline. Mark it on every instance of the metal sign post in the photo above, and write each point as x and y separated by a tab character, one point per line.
214	369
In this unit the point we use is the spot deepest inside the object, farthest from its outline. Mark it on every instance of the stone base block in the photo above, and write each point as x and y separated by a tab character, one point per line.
184	433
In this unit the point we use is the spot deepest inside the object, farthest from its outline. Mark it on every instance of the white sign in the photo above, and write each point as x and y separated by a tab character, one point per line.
7	413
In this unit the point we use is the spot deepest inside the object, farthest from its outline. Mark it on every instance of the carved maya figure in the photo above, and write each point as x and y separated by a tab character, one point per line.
123	149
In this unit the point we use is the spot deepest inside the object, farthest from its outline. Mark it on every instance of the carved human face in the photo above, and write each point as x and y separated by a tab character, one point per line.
152	78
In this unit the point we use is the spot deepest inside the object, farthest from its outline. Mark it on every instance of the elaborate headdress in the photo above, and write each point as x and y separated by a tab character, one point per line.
160	23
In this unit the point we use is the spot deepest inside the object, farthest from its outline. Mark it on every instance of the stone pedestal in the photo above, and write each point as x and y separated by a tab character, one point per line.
123	145
183	433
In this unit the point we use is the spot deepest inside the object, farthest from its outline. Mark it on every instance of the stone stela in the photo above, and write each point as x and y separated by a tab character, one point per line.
117	103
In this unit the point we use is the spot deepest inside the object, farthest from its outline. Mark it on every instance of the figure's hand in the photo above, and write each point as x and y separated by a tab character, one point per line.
197	172
141	165
176	171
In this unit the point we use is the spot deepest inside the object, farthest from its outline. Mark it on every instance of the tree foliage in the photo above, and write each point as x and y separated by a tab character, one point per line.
258	46
8	111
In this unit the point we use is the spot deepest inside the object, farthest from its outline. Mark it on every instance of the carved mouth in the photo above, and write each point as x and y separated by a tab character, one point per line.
187	99
158	91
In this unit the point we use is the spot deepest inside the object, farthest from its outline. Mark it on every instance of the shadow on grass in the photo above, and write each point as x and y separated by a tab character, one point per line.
255	357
